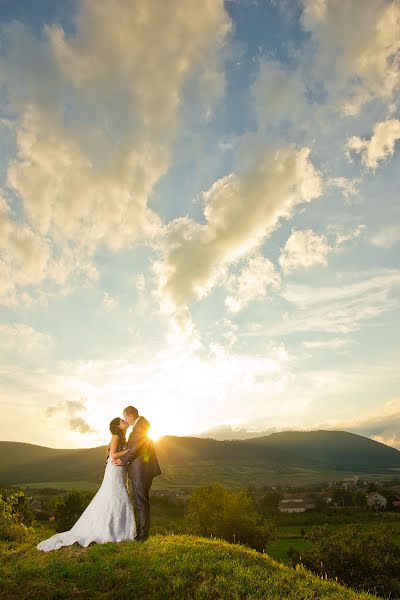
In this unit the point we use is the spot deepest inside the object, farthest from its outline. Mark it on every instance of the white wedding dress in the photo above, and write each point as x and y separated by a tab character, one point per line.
108	518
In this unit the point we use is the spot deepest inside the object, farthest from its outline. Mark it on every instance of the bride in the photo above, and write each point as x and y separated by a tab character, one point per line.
109	517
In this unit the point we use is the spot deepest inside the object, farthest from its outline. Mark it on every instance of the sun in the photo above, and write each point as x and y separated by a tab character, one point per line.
153	434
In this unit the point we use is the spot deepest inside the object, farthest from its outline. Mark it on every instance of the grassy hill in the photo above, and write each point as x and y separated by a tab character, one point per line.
178	567
287	457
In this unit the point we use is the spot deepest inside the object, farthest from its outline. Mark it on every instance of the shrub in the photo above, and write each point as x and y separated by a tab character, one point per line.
70	507
364	560
216	511
15	515
20	504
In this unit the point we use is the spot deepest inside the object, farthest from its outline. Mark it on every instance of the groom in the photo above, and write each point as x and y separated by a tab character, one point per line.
142	465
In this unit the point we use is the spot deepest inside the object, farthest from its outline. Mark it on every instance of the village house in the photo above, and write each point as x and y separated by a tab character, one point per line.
349	482
376	501
35	504
296	504
179	497
396	501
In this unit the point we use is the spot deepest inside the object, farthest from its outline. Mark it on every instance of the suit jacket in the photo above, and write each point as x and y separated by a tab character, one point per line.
141	460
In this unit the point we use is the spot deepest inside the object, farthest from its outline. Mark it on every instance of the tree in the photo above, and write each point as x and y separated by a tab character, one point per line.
372	487
321	505
69	508
364	560
20	504
390	495
360	499
269	503
342	497
215	511
15	515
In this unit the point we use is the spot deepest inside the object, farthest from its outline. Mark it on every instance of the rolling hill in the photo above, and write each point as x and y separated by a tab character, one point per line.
171	566
295	457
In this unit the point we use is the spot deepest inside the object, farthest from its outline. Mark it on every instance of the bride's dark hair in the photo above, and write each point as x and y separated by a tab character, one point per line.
115	430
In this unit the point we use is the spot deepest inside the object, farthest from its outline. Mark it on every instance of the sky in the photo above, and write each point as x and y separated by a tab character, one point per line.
199	216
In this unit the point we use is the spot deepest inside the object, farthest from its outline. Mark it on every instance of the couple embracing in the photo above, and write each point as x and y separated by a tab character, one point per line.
110	517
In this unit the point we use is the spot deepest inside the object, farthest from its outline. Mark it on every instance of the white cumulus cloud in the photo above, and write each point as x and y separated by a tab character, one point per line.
96	111
240	211
252	283
304	249
380	146
357	47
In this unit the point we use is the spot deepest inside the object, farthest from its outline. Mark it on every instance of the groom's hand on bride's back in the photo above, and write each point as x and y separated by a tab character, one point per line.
117	462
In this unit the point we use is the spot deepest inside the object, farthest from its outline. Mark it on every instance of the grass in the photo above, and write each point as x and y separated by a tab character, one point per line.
178	567
278	549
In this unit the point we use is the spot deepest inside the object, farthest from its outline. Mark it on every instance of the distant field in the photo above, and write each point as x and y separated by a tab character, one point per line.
193	475
239	475
62	485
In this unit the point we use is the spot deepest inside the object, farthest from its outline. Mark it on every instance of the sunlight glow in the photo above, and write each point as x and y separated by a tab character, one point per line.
153	434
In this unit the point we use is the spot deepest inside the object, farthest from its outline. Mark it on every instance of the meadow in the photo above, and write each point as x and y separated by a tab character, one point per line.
165	567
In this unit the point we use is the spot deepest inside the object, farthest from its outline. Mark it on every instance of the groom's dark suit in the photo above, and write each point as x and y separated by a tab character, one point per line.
141	461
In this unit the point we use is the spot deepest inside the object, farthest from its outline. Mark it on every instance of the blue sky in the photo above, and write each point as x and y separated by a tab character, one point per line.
199	215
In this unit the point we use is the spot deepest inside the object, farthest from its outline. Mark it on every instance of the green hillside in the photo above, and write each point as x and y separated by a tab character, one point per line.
165	567
295	456
334	449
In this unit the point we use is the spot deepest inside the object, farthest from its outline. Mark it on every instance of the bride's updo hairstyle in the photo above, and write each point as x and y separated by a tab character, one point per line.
115	430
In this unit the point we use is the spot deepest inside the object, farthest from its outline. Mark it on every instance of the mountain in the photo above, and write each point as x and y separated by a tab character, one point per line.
286	457
334	449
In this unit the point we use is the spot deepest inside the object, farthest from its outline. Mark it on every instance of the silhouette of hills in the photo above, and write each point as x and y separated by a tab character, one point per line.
190	461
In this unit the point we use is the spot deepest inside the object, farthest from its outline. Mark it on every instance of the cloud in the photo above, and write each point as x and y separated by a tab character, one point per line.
29	260
356	64
25	255
386	237
22	338
240	211
304	249
348	187
380	146
228	432
252	283
109	302
140	283
67	196
340	309
341	236
70	409
96	112
383	427
330	344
